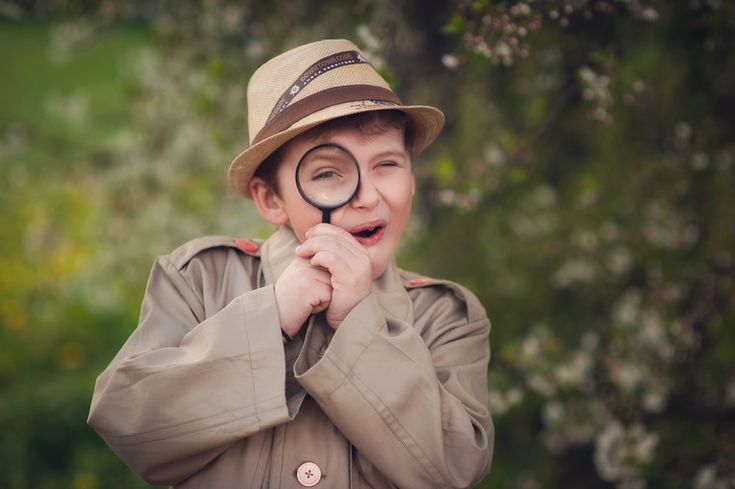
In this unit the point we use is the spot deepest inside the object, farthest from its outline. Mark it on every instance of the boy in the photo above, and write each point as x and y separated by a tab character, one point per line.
308	360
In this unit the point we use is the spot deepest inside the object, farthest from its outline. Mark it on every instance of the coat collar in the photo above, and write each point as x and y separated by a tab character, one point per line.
278	252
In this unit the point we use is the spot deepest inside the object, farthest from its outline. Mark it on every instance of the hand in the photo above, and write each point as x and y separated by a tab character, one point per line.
301	290
347	262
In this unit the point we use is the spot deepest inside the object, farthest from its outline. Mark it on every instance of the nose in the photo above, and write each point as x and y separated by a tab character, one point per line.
367	196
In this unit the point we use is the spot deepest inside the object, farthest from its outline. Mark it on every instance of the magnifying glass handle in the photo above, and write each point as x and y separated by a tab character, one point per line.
326	214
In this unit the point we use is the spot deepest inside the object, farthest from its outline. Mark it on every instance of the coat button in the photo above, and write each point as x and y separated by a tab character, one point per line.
247	245
308	474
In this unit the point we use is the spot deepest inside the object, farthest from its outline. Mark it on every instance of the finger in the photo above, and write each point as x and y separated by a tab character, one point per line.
322	306
322	296
336	265
336	243
326	260
304	272
321	275
326	229
309	271
304	251
332	231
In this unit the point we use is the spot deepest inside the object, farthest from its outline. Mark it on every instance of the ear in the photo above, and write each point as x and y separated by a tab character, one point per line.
413	185
269	204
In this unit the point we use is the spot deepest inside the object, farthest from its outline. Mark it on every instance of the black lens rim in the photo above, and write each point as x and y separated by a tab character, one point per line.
326	208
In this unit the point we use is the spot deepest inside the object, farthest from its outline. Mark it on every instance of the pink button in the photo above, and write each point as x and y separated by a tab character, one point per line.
308	474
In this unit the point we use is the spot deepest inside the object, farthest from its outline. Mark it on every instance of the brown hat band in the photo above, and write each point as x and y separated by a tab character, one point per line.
319	68
321	100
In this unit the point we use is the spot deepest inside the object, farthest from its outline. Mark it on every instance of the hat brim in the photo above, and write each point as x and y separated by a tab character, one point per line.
426	124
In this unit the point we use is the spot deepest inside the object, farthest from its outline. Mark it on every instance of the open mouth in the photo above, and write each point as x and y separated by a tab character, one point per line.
369	233
366	233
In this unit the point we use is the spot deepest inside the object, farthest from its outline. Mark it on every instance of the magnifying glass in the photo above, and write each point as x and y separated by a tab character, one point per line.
328	177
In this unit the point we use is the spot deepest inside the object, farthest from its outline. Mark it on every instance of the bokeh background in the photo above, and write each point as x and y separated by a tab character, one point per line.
583	187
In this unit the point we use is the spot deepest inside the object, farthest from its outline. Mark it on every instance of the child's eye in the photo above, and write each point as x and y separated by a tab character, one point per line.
325	175
387	164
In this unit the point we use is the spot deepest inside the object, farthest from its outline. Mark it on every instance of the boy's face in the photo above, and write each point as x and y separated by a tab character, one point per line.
377	215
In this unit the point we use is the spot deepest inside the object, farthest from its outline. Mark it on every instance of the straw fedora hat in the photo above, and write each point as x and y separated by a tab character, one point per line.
312	84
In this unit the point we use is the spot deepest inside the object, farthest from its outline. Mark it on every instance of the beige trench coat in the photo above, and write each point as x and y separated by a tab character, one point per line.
205	395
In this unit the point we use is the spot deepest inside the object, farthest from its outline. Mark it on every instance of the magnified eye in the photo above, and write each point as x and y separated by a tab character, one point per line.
326	174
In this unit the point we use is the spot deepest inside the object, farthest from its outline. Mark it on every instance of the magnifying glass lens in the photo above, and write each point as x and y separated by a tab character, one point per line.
328	176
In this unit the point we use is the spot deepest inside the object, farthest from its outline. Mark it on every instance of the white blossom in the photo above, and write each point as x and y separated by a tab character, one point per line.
620	451
450	61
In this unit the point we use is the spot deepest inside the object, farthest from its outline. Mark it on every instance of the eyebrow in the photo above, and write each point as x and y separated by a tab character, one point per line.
390	152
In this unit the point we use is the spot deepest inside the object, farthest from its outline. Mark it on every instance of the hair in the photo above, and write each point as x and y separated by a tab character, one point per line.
371	123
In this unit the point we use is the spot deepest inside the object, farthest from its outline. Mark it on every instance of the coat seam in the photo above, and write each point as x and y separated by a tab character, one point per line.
346	373
180	275
404	434
354	380
250	362
208	427
485	333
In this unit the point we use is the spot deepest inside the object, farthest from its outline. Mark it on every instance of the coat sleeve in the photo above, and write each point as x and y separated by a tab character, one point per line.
184	387
412	398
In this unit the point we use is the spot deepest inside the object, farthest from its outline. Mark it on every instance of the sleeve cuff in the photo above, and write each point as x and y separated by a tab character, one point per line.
262	327
324	365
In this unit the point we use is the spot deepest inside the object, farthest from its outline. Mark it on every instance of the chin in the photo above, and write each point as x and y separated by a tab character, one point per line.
379	266
381	257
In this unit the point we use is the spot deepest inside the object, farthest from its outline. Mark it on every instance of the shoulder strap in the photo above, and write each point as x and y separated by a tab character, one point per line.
184	253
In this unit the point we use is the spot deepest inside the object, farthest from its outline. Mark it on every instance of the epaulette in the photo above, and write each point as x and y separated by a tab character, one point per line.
184	253
413	281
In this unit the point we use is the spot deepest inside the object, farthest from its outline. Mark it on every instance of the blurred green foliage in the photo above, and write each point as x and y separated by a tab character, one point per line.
582	187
